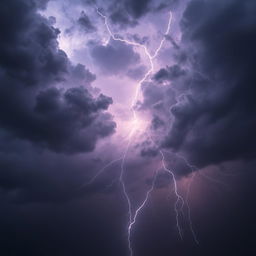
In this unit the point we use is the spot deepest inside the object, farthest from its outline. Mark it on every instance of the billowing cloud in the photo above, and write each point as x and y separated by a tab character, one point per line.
55	128
114	58
214	114
71	122
169	73
127	13
31	106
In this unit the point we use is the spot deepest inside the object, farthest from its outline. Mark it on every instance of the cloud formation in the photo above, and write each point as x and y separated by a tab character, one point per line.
55	128
34	103
214	113
114	58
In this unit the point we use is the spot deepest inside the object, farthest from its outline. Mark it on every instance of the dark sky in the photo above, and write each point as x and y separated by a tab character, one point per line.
79	142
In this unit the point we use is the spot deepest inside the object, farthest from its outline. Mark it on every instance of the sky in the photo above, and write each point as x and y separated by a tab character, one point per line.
127	127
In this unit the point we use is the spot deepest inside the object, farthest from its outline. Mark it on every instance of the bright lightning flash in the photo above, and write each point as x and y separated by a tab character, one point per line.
137	124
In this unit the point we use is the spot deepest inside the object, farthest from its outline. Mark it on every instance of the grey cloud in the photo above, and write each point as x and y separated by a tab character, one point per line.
81	73
157	122
71	122
114	58
127	13
31	107
215	120
206	103
137	8
85	23
156	97
122	18
169	73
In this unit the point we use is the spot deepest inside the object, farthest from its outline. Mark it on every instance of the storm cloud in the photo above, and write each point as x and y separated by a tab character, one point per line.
32	66
214	113
65	143
114	58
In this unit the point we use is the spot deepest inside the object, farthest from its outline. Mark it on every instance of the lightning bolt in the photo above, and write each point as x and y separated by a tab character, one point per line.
193	169
179	198
146	51
139	209
179	203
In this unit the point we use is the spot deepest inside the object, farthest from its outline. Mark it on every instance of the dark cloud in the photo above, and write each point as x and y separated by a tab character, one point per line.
85	23
148	149
122	18
214	119
137	8
31	108
165	4
157	122
47	107
157	98
26	61
127	13
149	152
82	74
114	58
44	99
71	122
169	73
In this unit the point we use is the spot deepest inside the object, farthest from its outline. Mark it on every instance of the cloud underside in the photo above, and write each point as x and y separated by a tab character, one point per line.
44	98
210	91
202	106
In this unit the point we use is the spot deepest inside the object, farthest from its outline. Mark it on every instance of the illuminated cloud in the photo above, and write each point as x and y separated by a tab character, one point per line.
106	149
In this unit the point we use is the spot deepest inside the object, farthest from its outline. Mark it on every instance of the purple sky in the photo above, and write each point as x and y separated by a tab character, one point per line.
121	135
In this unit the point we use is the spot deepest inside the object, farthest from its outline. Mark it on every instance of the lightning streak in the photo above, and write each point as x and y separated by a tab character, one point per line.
193	169
146	51
179	200
139	209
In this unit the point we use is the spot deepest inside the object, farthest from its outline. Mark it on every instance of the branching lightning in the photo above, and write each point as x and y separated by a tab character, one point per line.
139	209
179	203
146	51
179	198
193	169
